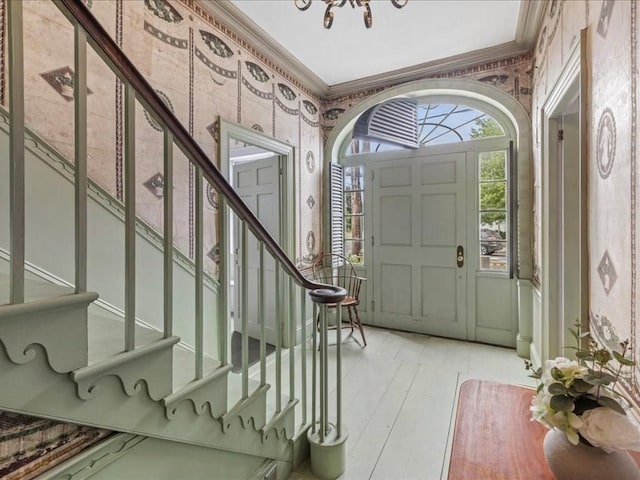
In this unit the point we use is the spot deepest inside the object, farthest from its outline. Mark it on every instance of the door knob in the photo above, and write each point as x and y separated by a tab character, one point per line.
460	256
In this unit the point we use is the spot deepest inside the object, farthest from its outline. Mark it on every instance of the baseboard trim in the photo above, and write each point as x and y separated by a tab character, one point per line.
90	461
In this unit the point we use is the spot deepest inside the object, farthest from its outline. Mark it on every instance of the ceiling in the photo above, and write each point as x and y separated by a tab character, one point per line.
423	36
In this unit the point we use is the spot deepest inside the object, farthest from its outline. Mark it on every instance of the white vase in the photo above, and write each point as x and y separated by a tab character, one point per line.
583	462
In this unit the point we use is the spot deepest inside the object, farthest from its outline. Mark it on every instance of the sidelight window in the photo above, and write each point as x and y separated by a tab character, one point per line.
354	214
492	212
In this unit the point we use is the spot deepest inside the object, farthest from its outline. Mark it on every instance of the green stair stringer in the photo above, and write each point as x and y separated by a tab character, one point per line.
35	389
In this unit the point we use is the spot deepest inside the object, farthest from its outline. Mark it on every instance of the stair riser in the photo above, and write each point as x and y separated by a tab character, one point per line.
57	326
36	390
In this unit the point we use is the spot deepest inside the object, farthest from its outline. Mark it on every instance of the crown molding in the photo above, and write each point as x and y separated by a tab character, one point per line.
435	67
230	15
529	22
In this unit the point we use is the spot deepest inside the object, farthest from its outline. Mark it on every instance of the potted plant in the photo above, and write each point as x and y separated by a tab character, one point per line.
588	417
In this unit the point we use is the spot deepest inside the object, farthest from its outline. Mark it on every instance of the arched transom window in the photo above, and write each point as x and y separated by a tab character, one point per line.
437	124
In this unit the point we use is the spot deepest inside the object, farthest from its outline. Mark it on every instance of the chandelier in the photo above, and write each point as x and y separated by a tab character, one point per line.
331	4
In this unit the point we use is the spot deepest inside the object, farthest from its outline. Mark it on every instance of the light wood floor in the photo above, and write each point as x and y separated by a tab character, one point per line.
399	400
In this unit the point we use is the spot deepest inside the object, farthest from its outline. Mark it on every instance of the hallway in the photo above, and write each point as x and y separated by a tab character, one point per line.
399	397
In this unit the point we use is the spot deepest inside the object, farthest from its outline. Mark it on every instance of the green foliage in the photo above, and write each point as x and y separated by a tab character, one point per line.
493	184
487	127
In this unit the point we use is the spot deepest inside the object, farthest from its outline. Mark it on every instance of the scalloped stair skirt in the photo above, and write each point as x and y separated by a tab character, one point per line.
61	354
129	391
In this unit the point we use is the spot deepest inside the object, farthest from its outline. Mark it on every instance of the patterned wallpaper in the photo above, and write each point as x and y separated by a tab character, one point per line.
200	69
612	33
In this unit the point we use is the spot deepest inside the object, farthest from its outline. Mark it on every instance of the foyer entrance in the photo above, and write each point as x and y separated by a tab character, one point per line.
420	236
399	236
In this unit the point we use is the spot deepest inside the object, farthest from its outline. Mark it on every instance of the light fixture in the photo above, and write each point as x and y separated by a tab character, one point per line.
331	4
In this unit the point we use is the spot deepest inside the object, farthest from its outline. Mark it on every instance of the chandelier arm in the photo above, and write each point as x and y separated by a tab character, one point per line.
328	17
302	5
368	19
399	3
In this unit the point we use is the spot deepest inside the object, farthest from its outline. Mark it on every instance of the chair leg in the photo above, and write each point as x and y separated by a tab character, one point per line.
355	310
350	318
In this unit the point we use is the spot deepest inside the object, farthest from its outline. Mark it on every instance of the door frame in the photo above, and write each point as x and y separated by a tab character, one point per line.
570	85
226	132
489	98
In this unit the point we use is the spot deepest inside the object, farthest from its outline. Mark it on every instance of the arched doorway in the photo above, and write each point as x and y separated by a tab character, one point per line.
425	215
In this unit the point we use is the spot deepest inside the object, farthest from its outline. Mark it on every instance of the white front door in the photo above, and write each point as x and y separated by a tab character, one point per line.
258	184
419	222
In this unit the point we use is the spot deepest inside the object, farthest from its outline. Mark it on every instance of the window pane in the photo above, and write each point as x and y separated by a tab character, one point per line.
493	196
354	213
353	203
353	226
493	254
354	178
446	123
492	166
354	251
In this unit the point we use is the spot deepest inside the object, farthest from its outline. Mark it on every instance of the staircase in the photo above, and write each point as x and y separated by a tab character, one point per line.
66	354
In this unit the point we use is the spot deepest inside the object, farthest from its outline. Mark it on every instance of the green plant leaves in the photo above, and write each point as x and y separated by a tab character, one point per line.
579	387
557	389
622	360
598	378
561	403
602	356
612	404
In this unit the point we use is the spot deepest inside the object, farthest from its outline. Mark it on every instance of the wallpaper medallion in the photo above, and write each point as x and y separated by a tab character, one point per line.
606	143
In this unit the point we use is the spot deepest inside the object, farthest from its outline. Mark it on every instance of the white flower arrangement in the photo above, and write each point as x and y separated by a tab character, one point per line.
579	397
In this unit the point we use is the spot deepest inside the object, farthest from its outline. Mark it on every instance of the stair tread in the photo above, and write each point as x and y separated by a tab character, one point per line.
106	338
34	289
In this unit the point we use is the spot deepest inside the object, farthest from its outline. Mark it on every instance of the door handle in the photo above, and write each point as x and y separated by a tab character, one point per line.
460	256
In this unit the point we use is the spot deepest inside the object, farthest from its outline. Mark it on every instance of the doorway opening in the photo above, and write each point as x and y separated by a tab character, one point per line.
565	275
260	168
426	213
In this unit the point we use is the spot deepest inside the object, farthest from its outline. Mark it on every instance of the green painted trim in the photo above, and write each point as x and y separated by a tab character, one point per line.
250	411
203	394
149	363
137	414
52	324
228	130
282	424
87	463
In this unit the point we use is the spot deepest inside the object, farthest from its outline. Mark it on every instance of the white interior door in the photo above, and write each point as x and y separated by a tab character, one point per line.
258	184
419	220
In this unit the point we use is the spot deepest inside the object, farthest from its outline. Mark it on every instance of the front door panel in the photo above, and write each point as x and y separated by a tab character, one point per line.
419	220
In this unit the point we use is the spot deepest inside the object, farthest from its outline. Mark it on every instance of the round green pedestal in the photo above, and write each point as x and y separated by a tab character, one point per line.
329	458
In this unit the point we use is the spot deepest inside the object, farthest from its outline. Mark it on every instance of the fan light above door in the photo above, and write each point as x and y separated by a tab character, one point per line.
331	4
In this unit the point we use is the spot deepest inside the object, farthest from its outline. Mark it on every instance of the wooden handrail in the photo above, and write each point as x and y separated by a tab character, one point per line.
74	10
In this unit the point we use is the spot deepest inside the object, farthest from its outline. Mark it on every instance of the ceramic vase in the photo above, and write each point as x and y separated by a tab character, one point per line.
584	462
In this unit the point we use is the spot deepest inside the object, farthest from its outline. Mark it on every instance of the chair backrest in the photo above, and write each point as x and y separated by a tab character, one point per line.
334	269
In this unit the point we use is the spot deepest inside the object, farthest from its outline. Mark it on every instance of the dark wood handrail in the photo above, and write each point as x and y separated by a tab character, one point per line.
74	10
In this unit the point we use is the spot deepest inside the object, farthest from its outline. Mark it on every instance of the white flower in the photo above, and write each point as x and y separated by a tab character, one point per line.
610	430
568	422
569	369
